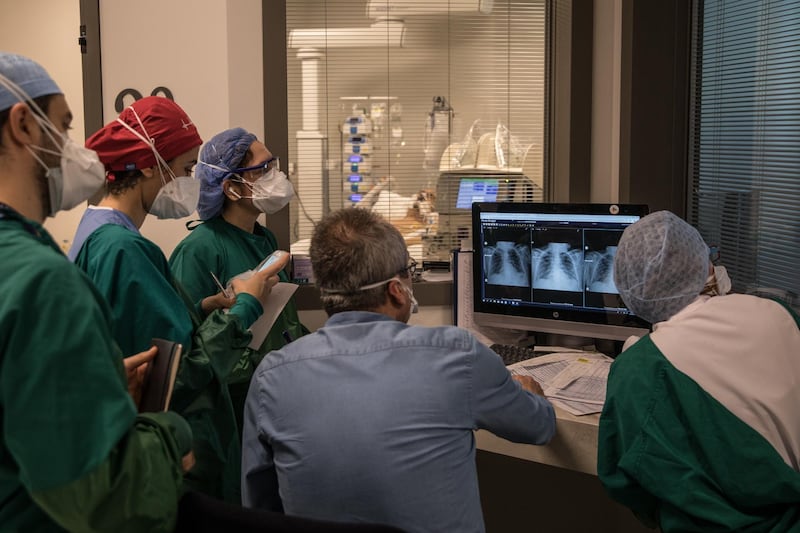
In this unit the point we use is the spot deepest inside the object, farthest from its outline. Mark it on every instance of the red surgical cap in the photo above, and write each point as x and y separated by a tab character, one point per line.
164	121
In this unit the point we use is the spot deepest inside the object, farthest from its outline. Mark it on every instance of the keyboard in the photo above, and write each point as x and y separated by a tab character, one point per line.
512	353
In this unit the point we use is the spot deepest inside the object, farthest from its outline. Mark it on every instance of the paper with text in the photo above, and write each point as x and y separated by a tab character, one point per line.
575	381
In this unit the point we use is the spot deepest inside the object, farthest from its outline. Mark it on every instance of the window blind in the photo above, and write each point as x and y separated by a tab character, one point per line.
745	139
414	109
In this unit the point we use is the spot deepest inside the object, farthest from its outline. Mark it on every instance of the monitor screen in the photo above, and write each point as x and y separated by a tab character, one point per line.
471	190
550	268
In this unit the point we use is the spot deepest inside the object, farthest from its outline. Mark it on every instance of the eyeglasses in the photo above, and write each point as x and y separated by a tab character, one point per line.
411	268
266	166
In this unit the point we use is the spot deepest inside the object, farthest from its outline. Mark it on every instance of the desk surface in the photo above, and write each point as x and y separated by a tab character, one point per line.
574	447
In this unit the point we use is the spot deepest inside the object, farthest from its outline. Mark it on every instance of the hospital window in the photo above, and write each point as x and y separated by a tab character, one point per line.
745	140
414	109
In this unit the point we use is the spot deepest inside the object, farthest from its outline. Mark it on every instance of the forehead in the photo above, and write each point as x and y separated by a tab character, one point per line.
260	153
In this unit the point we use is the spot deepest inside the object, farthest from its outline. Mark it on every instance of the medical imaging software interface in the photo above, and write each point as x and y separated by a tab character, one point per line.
552	260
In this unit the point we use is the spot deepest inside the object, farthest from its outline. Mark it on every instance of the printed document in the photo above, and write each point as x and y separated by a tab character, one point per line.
575	381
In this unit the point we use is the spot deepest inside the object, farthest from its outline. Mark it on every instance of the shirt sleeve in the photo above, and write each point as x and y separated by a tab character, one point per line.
219	345
500	405
136	488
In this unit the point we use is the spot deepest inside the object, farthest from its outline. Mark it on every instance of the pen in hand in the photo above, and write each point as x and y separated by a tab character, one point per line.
222	289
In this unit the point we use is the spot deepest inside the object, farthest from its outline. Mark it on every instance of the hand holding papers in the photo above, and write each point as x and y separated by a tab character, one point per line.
574	381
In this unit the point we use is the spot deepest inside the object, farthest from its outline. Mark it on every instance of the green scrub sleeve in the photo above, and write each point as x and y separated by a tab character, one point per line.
247	308
219	343
136	488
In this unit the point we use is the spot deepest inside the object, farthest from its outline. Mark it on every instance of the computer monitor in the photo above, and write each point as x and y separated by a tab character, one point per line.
548	268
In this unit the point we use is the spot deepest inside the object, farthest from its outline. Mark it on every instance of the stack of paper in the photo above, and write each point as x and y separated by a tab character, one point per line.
574	381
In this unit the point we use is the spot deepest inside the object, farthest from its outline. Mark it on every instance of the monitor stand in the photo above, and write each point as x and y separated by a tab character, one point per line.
606	346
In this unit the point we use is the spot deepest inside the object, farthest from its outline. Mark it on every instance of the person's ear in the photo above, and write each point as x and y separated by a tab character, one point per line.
229	191
396	293
149	172
22	126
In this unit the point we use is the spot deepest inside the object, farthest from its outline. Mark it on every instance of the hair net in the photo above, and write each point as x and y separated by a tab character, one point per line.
661	266
226	151
169	126
27	75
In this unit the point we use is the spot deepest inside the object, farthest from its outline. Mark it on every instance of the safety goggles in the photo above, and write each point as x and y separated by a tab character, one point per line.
266	166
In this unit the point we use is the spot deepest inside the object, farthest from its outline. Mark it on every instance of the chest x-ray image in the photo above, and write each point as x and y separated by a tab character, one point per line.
598	272
600	249
557	261
508	264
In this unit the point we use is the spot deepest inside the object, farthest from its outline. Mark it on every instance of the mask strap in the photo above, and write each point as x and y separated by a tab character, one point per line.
37	158
149	142
360	289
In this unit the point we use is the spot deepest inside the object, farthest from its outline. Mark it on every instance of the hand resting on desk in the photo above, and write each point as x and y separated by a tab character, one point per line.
529	384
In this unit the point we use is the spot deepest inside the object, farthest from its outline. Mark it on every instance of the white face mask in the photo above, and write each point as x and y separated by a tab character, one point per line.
414	303
718	283
176	199
80	175
271	192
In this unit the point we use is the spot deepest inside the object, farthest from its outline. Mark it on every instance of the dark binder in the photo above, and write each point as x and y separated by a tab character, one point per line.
160	380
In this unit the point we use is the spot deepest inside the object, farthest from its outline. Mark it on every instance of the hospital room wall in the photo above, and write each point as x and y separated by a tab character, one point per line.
200	49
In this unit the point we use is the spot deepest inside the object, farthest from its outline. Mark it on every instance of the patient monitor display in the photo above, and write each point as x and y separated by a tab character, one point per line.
550	268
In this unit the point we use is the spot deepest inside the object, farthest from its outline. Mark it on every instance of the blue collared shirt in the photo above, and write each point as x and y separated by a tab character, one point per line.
370	419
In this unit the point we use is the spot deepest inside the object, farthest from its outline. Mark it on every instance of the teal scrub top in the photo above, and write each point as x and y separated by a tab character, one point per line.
226	250
134	275
73	453
665	452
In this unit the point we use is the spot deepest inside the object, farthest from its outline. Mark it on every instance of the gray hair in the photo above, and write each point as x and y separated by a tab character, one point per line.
352	248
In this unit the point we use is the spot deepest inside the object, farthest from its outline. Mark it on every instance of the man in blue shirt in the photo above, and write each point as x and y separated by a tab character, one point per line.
370	419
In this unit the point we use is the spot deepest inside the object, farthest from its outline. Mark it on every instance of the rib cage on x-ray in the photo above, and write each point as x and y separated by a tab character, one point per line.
599	271
557	268
508	264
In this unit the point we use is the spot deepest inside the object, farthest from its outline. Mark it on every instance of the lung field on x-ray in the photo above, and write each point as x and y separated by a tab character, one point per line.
598	272
557	260
509	264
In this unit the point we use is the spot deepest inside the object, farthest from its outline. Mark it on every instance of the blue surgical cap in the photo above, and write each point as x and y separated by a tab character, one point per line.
28	75
661	266
226	151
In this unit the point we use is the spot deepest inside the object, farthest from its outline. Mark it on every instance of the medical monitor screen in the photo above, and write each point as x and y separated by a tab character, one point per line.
471	190
553	263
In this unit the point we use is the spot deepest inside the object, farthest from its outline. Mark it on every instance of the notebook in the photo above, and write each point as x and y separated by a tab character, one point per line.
160	379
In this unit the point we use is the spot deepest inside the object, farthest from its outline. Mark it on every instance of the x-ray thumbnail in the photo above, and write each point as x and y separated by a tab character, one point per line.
598	270
557	260
507	258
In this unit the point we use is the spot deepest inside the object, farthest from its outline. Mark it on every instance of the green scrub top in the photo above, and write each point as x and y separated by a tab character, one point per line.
146	302
73	453
226	250
664	451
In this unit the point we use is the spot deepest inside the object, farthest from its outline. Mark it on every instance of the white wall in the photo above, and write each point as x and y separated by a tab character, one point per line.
208	52
606	105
